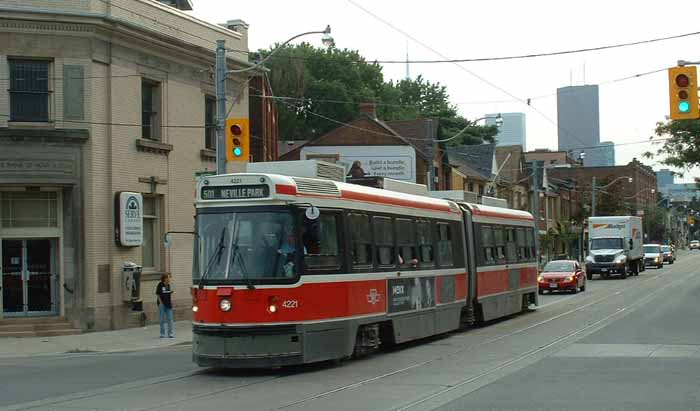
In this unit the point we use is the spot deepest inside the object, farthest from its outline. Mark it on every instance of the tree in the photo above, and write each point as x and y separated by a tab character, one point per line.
319	88
654	223
681	147
608	200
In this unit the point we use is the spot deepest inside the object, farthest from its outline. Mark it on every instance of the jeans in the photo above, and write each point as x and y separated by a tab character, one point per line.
166	314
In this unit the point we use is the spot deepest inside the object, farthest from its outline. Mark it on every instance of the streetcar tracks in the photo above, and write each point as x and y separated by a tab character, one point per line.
612	293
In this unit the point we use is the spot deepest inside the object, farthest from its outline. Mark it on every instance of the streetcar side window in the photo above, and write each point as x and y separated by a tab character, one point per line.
487	245
406	241
361	240
384	240
531	244
500	242
445	250
325	254
523	253
511	246
425	243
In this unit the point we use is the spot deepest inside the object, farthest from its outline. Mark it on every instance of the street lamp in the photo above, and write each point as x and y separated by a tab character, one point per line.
222	72
629	180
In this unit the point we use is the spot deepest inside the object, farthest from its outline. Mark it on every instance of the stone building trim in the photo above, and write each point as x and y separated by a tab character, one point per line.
155	147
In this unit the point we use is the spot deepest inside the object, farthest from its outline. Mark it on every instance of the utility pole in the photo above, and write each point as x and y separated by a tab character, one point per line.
220	80
593	198
536	202
430	153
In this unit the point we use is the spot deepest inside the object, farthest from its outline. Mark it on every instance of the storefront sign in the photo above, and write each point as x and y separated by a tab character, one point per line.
130	219
242	192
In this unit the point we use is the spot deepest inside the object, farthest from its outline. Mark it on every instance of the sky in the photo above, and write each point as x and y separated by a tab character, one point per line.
629	109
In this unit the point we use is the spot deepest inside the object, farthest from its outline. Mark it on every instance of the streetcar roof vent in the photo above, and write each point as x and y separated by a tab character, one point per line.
300	168
322	187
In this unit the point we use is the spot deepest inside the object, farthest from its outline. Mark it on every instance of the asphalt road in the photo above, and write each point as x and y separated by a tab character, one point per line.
629	344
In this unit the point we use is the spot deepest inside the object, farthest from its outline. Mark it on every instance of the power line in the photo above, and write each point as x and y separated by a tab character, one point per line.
470	72
495	58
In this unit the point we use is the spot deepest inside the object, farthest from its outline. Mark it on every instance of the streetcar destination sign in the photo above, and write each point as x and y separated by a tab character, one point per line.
242	192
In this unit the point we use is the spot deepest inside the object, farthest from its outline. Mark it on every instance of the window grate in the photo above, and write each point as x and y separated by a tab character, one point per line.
29	90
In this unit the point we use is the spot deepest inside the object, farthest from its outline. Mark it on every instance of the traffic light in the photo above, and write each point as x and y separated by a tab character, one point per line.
237	139
683	92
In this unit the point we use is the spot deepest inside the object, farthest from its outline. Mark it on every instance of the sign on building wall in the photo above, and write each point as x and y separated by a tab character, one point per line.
395	162
129	219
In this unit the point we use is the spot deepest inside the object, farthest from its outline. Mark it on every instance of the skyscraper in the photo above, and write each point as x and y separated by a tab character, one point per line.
664	177
512	132
578	117
601	156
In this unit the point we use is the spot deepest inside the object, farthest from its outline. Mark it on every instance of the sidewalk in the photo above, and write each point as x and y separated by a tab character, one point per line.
130	339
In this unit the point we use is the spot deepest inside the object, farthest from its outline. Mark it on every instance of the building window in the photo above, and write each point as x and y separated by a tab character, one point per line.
29	90
150	113
20	209
210	123
151	234
470	187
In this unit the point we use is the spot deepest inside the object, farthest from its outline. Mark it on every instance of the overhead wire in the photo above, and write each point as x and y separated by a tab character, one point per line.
472	73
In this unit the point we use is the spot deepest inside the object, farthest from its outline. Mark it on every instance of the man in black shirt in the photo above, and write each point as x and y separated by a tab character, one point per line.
165	305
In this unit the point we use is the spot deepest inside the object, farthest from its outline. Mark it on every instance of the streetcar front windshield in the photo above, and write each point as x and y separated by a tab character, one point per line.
245	247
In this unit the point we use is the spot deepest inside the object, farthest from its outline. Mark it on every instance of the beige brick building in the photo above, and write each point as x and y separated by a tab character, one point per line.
101	97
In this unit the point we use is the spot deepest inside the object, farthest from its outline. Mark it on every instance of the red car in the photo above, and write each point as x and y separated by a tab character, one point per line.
562	275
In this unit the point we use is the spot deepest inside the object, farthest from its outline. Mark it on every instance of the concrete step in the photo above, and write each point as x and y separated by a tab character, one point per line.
36	327
32	320
51	333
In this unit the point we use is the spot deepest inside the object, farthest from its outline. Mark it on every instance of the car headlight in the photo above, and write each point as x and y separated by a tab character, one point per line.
569	279
540	279
225	305
621	259
657	259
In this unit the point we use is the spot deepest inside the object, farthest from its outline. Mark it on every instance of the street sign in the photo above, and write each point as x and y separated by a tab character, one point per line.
640	213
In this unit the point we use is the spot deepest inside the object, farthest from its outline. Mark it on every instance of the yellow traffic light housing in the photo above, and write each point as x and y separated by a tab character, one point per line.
238	139
683	92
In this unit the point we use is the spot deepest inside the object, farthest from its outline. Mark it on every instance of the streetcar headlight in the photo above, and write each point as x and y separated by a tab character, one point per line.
272	308
195	308
225	305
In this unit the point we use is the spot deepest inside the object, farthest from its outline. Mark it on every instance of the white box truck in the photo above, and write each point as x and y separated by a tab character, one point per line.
615	246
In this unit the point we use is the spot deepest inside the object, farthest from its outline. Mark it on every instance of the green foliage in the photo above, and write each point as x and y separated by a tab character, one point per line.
311	75
681	147
609	202
654	225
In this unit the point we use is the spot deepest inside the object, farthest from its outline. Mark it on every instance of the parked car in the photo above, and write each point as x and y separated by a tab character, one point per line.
695	245
653	256
567	275
669	255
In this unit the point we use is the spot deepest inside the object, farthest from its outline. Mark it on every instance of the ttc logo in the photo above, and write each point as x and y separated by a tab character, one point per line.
373	297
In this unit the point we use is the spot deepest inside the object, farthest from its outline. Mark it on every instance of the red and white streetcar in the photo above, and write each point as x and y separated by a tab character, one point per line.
292	270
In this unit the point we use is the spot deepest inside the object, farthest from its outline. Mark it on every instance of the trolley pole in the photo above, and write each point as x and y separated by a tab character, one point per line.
536	204
220	80
430	153
593	198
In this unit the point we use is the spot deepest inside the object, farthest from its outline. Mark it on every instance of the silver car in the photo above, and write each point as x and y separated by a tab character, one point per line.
653	256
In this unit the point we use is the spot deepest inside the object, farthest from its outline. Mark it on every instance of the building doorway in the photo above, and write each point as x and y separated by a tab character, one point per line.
29	276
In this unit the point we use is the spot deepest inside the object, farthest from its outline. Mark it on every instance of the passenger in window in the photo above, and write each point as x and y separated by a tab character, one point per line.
288	250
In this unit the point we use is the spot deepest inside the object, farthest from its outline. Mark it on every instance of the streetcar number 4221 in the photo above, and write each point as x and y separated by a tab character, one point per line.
290	304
